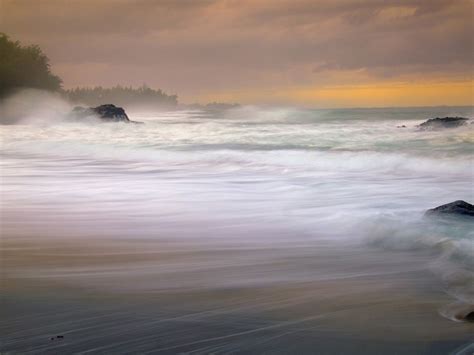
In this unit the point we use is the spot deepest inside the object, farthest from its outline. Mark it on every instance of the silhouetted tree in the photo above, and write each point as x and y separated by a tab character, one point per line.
24	67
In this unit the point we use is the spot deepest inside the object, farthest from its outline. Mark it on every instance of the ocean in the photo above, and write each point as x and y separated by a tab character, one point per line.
248	230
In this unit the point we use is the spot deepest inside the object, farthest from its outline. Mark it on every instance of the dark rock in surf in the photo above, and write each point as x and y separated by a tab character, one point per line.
111	112
469	317
459	312
443	122
106	113
459	208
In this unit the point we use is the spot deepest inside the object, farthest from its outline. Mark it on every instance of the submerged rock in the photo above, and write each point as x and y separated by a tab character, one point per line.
443	122
107	113
459	312
458	207
465	315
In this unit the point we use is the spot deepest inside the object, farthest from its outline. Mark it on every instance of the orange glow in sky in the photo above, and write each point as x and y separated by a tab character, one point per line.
325	53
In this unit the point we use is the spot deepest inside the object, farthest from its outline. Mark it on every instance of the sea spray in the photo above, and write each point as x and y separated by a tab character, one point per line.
32	106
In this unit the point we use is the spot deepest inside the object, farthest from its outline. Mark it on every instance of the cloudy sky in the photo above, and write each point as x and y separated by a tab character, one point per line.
322	53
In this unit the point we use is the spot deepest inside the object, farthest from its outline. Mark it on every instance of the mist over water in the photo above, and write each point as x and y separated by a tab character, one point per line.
245	198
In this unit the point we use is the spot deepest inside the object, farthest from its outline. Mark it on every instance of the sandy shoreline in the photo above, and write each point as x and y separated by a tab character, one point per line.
104	296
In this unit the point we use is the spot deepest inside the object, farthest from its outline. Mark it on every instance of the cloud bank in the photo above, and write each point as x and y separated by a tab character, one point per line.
253	50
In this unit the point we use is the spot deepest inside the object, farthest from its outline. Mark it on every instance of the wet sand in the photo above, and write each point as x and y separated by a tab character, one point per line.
156	296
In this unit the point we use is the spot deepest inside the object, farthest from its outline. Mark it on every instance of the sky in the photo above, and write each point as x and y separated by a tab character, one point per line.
316	53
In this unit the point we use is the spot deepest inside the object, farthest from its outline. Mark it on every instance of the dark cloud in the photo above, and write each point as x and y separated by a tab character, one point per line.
98	17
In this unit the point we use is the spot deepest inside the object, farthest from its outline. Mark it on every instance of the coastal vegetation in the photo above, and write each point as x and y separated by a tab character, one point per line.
23	67
122	96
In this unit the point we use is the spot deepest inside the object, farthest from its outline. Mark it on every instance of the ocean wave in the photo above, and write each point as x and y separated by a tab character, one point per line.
449	241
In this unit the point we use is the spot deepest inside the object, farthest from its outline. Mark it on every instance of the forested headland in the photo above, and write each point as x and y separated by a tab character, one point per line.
26	67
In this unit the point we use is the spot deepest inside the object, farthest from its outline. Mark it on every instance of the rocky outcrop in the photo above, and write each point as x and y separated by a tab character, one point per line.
459	208
111	112
106	113
443	122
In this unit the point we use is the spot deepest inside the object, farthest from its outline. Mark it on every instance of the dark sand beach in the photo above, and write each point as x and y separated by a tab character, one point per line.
148	297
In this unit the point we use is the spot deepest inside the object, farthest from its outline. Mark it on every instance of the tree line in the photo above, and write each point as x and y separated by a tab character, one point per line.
121	95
